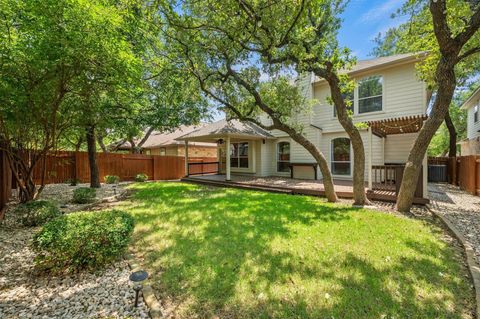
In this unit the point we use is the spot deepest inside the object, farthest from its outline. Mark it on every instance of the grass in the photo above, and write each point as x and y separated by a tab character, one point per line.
230	253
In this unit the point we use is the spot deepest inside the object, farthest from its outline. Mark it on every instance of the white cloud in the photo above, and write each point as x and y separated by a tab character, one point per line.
392	23
381	11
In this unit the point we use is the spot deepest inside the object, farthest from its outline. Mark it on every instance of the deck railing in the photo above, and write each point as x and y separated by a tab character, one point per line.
387	177
202	168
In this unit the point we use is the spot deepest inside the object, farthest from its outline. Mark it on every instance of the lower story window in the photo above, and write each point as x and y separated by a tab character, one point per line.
239	155
340	156
283	157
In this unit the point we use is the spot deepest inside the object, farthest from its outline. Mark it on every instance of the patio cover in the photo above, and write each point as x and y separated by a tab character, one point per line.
227	128
225	131
398	125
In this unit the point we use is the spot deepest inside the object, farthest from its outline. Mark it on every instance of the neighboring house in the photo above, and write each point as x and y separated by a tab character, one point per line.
471	145
165	144
388	98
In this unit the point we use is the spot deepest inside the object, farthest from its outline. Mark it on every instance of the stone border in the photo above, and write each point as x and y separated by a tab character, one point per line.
155	309
472	265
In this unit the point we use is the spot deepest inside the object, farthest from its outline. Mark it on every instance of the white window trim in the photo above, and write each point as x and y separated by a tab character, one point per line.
277	160
331	158
248	157
356	98
476	110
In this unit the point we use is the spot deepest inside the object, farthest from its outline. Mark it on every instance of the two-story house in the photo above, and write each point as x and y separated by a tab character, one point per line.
471	145
388	99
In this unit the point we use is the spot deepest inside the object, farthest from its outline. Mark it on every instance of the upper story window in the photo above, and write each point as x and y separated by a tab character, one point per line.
239	155
475	113
370	92
283	157
347	97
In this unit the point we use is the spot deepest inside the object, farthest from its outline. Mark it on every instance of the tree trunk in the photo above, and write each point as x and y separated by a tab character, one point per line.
102	145
359	195
79	143
446	80
21	165
92	157
452	149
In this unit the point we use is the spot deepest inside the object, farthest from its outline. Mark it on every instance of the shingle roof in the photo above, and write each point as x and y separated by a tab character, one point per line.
224	128
159	139
364	65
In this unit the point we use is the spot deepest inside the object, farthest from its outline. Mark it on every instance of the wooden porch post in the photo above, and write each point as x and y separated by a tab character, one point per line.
370	183
425	176
186	159
227	158
253	151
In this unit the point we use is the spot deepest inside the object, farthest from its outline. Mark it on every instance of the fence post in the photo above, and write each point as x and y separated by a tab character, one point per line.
477	175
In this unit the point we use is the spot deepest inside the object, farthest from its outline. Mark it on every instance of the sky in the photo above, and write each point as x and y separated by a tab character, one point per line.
363	20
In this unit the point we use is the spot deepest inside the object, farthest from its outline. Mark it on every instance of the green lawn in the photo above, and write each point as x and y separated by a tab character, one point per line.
244	254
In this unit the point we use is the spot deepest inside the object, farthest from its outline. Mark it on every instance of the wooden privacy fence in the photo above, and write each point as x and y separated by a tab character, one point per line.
463	171
5	183
62	166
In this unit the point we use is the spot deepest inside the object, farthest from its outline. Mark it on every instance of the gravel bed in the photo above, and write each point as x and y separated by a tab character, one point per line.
461	209
62	194
25	293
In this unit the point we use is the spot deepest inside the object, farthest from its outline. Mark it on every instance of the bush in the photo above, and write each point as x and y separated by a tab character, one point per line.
37	212
72	181
141	177
82	240
112	179
83	195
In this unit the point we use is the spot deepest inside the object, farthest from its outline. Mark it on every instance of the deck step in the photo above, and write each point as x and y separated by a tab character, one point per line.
297	191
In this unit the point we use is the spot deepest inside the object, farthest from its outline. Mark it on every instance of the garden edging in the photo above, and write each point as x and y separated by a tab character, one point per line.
472	265
155	309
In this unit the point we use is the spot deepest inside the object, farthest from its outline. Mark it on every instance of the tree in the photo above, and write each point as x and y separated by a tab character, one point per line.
416	35
277	38
449	30
38	64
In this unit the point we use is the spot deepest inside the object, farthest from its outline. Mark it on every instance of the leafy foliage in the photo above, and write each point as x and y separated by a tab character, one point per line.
112	179
141	177
417	35
84	195
83	240
38	212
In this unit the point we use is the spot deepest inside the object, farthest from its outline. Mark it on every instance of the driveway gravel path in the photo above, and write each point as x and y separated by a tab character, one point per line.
461	209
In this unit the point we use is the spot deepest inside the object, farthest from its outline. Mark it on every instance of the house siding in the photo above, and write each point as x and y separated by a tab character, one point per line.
397	147
472	126
403	95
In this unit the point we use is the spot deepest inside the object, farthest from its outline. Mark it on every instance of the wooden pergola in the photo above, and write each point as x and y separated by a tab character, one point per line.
391	126
398	125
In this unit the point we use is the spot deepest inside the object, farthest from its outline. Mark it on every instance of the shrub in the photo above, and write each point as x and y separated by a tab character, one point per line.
141	177
37	212
82	240
112	179
83	195
72	181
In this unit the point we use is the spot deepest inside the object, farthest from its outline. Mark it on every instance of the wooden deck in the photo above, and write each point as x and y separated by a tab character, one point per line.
343	188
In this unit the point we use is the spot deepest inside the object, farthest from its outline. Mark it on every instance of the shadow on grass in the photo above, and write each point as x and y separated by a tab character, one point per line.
231	253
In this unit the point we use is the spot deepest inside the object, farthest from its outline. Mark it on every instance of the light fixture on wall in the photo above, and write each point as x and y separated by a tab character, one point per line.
263	141
220	141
